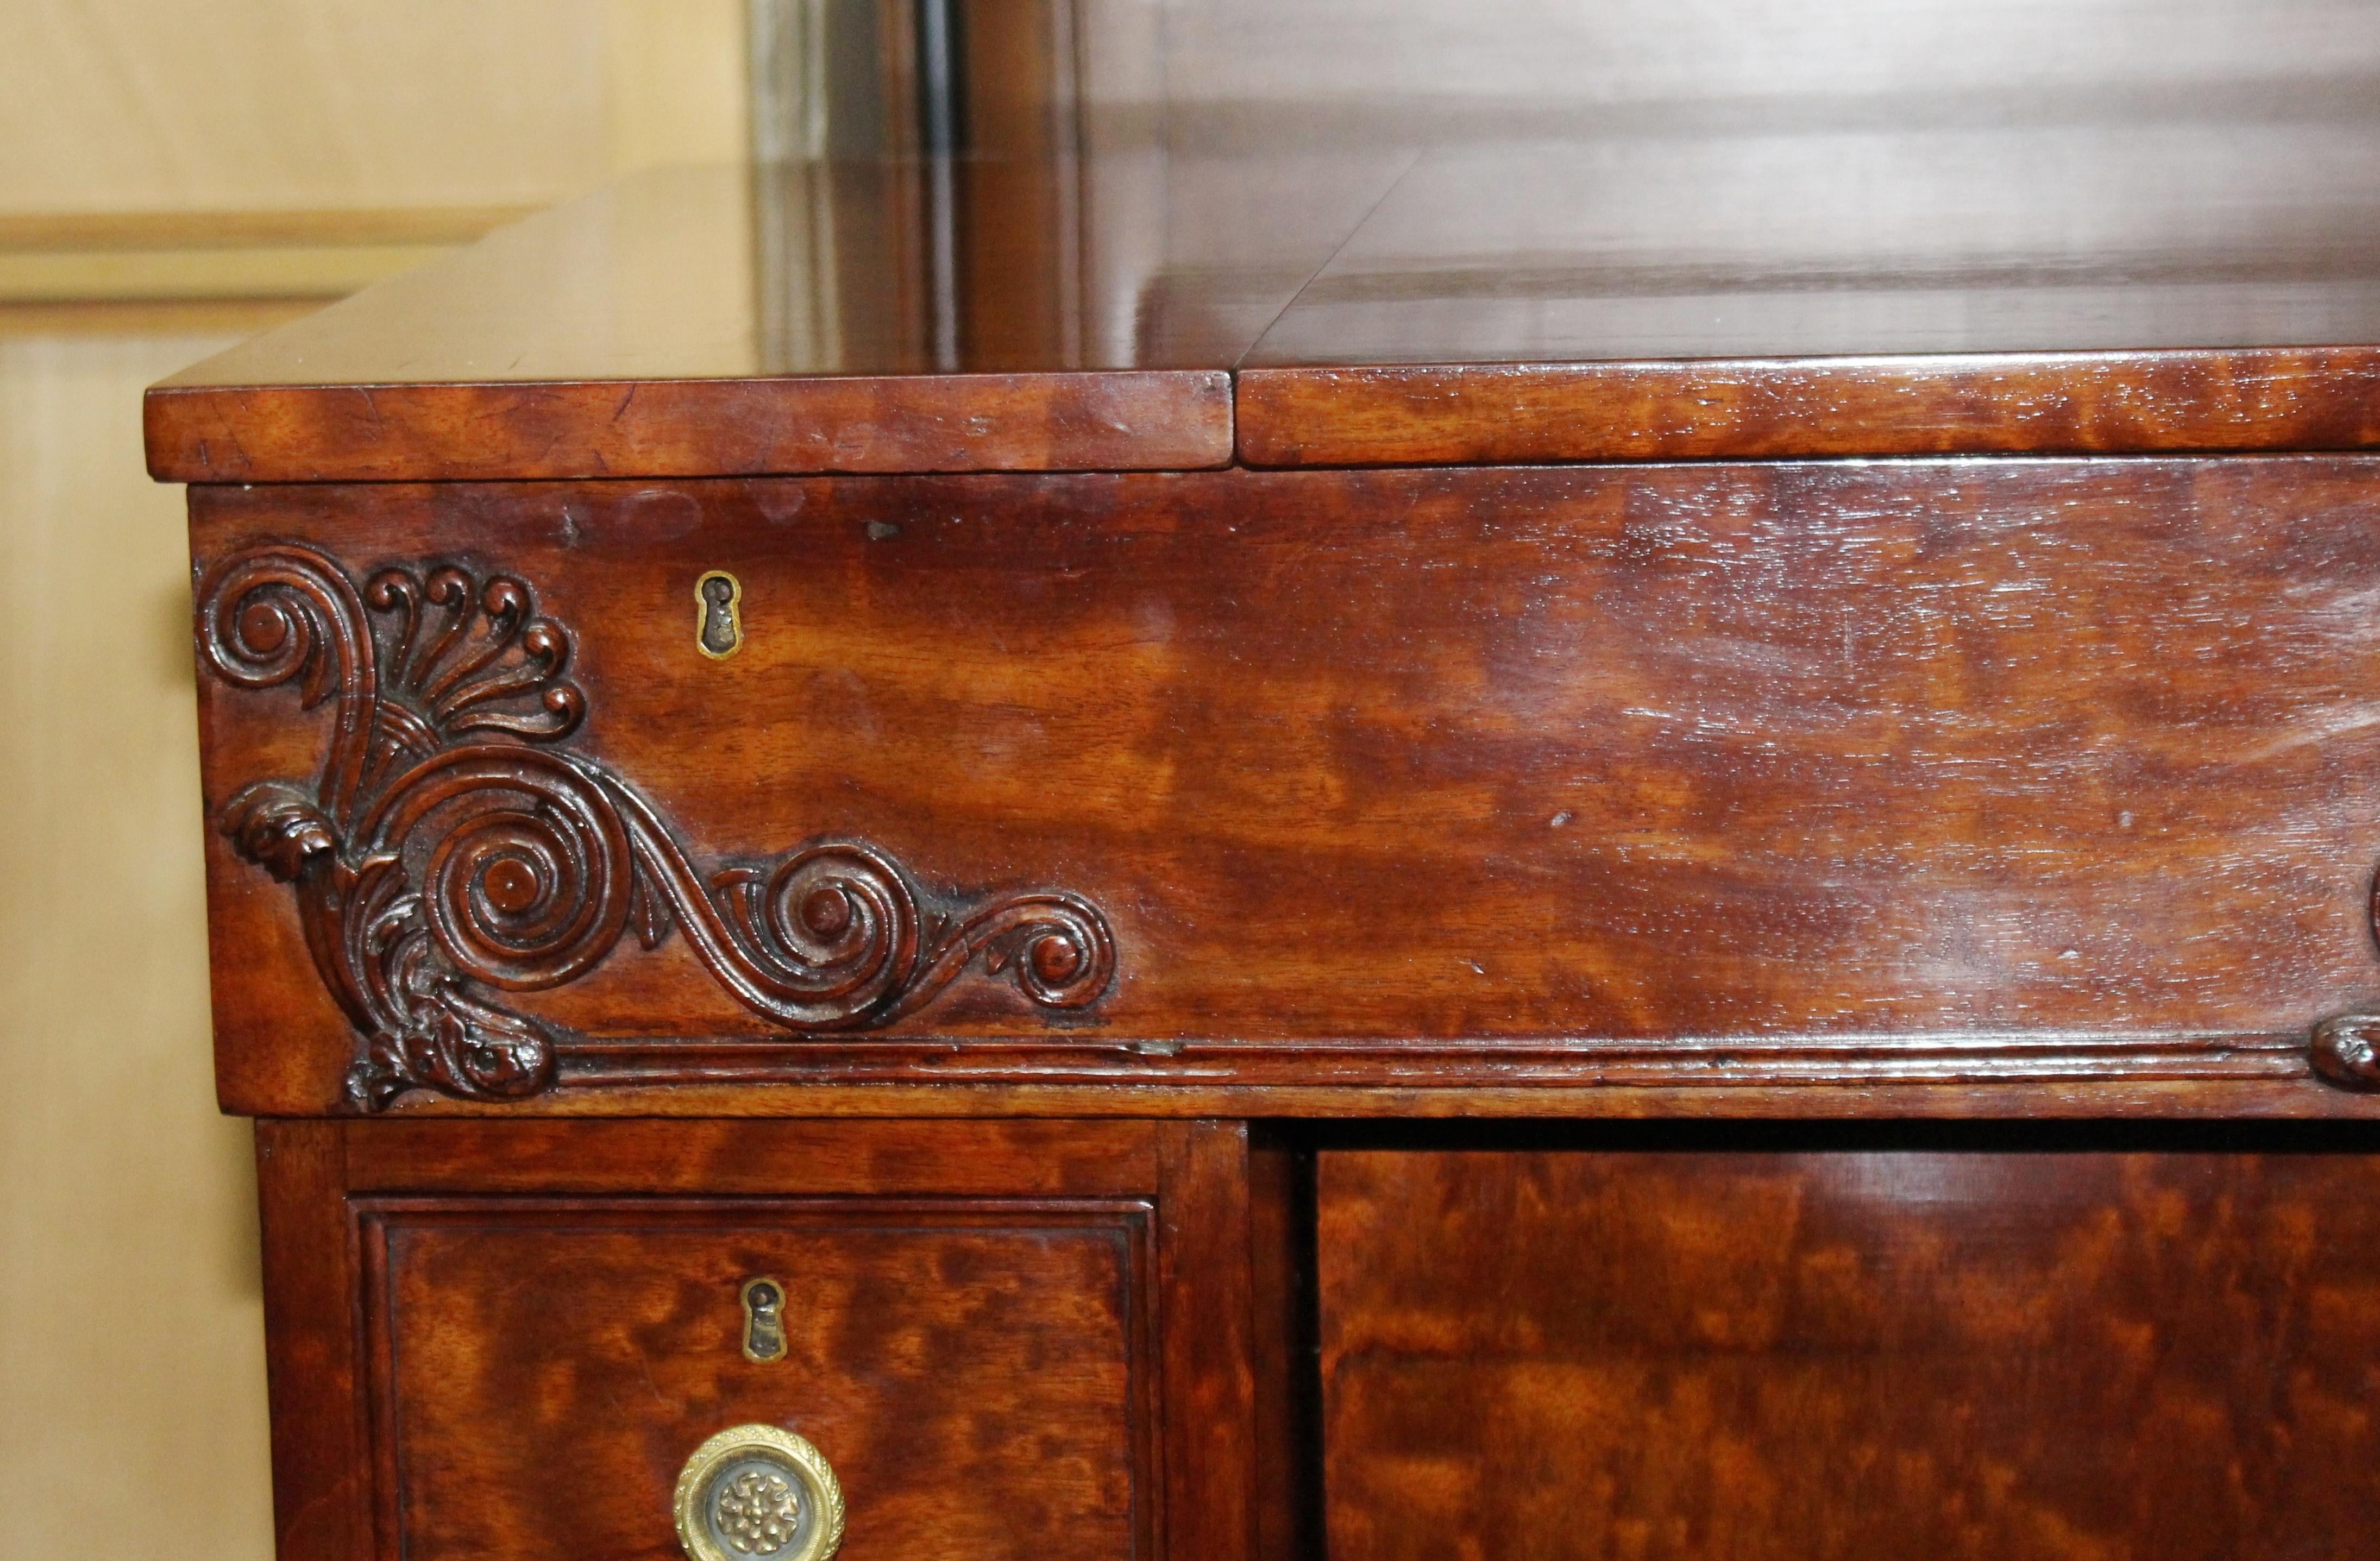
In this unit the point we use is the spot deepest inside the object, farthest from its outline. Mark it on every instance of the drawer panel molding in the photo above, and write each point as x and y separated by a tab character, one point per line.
453	849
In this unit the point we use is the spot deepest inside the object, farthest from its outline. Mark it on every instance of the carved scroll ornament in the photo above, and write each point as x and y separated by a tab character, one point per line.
451	851
2345	1048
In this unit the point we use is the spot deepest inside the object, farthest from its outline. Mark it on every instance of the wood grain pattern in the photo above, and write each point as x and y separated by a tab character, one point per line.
1206	1270
1817	1355
322	1449
969	1371
548	1319
1803	773
1017	1158
2000	403
452	851
691	427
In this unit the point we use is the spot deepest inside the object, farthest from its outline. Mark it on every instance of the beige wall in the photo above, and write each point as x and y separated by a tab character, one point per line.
159	148
237	104
130	1334
137	139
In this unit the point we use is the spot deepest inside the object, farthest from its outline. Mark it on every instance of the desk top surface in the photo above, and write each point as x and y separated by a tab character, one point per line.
2121	274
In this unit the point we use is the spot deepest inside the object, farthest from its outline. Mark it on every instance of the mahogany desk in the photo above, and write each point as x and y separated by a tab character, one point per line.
834	811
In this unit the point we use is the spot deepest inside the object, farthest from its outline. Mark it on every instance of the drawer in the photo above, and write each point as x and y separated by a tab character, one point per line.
508	1337
974	1373
1849	1354
1547	784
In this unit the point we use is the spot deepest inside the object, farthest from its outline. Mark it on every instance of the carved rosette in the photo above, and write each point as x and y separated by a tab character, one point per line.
450	849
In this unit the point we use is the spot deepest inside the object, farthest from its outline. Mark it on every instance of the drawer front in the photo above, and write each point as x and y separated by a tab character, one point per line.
974	1373
1771	775
2033	1356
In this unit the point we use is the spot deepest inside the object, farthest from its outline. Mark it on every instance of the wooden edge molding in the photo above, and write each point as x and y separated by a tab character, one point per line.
453	852
1163	420
2326	398
1355	1074
2294	1095
1088	1075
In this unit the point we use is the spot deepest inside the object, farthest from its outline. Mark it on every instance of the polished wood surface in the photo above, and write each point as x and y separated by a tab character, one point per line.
520	1365
1206	1259
1722	775
1811	1354
972	1372
984	1158
1977	404
995	422
323	1459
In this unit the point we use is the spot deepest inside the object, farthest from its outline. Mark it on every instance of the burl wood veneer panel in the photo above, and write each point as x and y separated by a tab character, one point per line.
976	1376
2028	1357
1668	775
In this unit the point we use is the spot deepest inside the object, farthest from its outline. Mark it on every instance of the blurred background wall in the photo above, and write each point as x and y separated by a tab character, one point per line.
174	177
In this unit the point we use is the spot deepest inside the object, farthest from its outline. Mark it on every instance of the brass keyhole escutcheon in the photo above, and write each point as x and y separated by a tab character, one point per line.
764	1320
718	615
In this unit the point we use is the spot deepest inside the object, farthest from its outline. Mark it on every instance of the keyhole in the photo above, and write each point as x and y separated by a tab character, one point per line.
764	1320
719	619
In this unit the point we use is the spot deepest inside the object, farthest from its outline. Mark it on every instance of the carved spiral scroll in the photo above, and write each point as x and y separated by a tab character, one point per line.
528	864
828	924
1056	944
450	850
275	615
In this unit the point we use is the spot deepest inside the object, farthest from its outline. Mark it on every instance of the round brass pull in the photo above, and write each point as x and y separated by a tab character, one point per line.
754	1492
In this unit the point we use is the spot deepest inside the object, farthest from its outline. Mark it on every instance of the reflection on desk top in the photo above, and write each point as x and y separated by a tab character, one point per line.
2150	276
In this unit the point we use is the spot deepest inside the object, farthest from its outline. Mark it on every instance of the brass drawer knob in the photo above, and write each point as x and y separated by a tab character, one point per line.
754	1492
